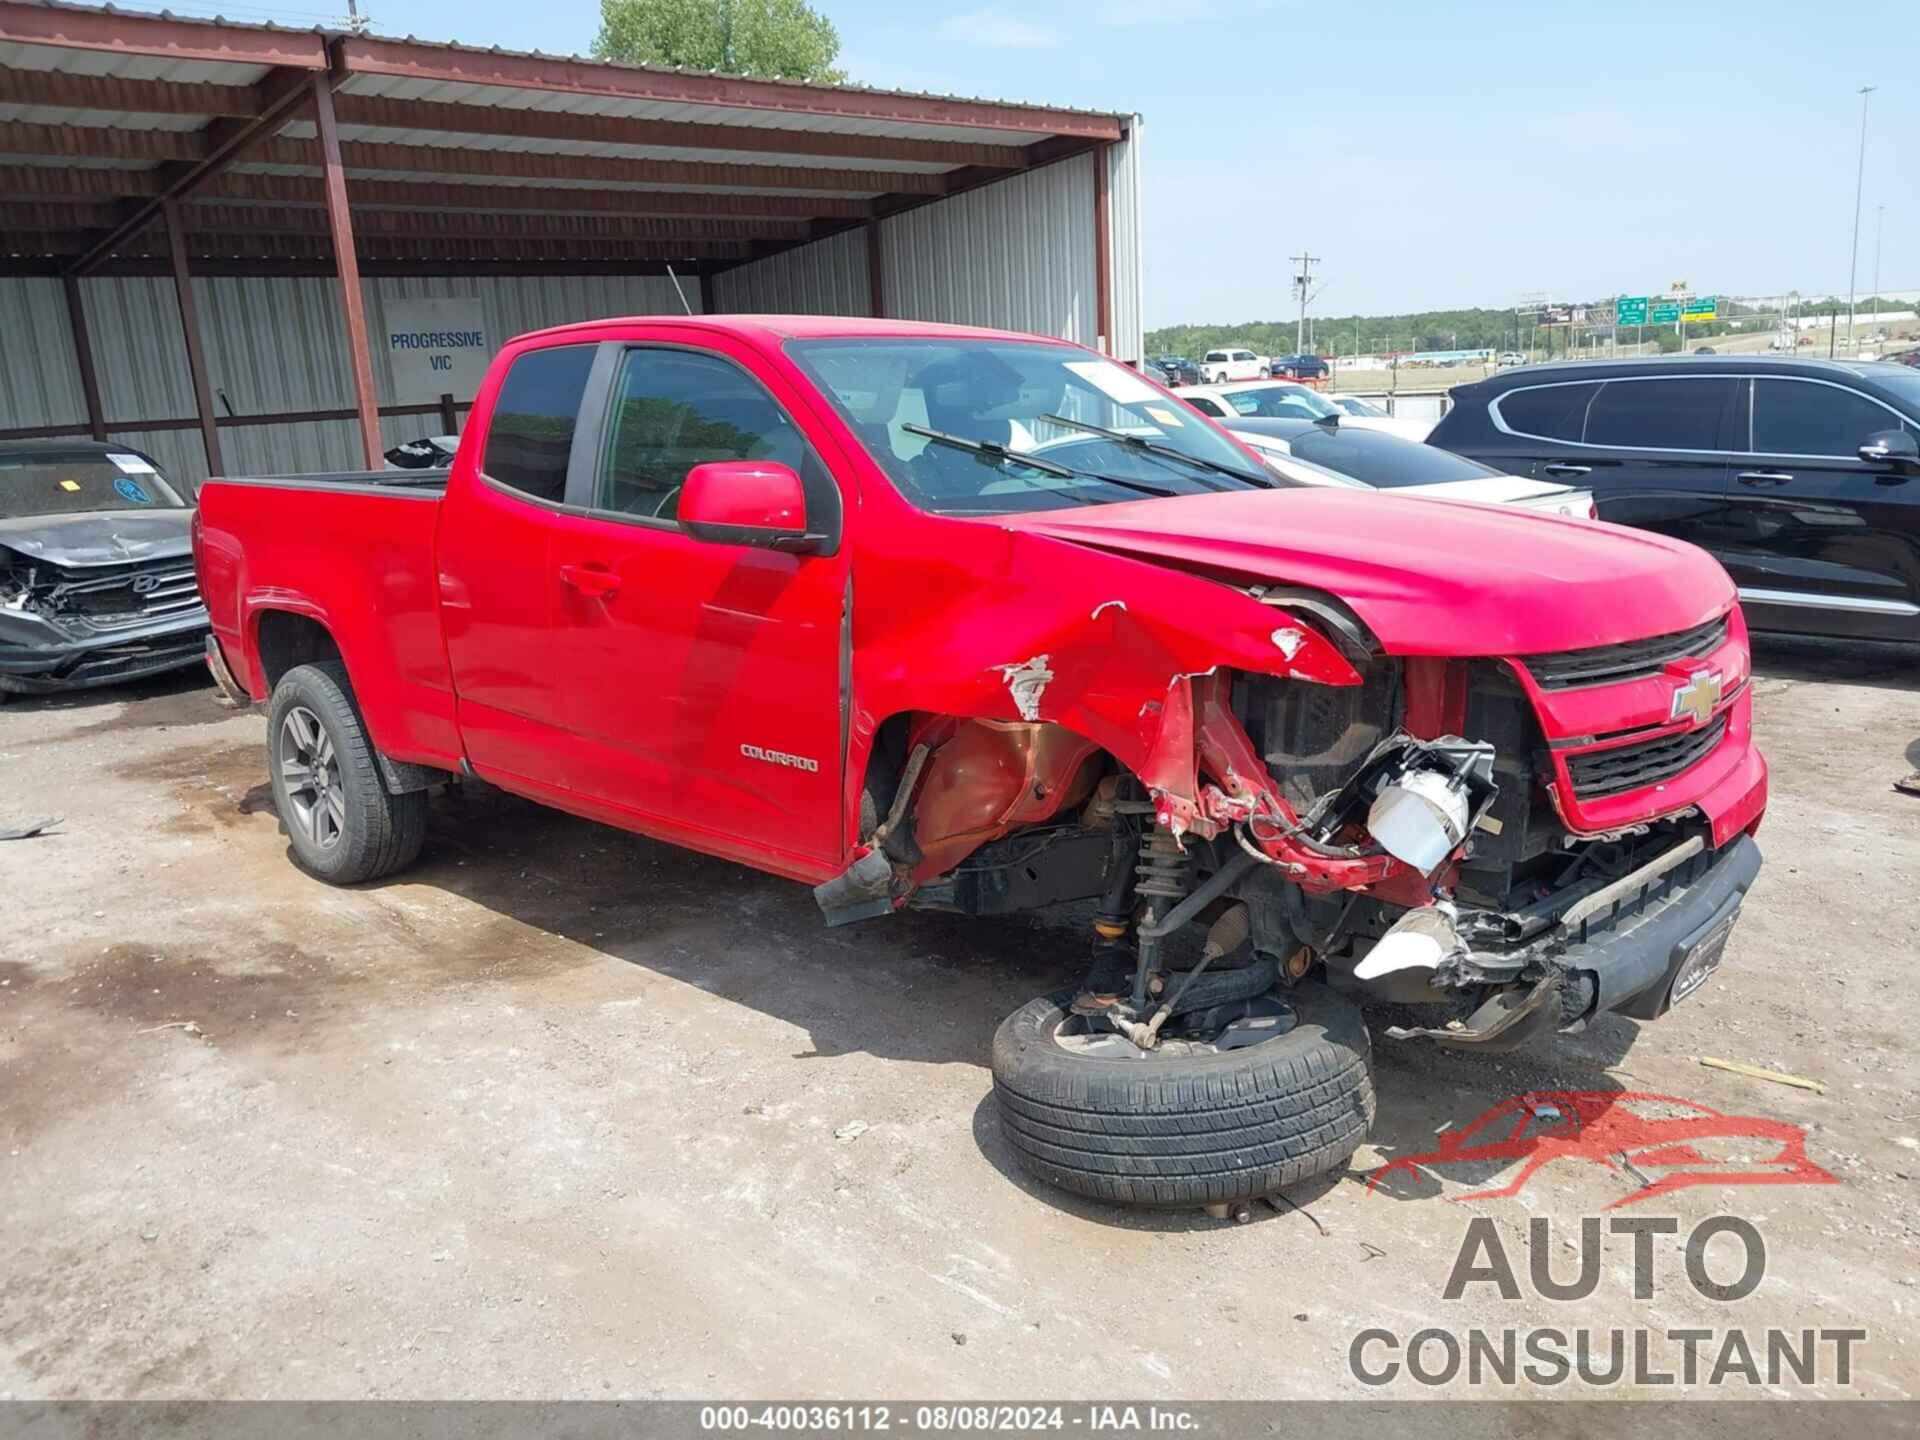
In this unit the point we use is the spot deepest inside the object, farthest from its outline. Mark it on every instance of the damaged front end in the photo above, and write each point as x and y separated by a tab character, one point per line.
72	626
1249	764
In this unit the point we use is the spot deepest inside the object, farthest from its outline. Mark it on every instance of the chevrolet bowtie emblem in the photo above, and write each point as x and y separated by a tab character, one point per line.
1697	697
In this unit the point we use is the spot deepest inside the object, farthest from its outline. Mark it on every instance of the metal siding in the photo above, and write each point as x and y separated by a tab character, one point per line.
139	351
828	277
1016	254
1126	241
39	374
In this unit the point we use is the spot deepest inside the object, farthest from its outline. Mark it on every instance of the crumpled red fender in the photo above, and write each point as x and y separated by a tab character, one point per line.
1127	653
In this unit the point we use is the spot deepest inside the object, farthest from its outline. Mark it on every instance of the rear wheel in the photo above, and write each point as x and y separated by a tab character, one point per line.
344	825
1192	1122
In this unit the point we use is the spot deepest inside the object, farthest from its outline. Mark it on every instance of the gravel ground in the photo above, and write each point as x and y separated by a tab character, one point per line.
564	1112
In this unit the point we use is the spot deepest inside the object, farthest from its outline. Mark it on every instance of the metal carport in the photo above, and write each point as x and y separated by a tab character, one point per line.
202	224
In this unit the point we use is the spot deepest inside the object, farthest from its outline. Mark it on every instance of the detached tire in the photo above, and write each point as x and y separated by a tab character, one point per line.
1196	1129
345	826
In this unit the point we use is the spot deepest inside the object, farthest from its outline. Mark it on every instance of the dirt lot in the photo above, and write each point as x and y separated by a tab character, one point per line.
562	1112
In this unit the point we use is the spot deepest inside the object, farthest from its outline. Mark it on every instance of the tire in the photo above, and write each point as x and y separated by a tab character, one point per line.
1186	1130
344	825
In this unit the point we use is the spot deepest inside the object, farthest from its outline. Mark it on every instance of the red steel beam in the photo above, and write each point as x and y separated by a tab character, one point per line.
55	90
367	55
53	268
46	182
1102	261
340	228
240	219
876	277
130	32
190	326
226	137
83	356
140	147
387	112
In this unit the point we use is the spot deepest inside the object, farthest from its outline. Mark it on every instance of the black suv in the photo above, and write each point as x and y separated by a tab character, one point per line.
1802	477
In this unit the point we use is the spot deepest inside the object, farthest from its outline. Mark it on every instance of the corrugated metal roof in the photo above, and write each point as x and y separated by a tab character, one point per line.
214	72
72	61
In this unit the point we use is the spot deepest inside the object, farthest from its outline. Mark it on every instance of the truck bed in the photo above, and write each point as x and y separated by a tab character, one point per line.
353	550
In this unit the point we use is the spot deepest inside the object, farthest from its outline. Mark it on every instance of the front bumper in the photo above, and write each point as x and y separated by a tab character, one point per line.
36	659
1627	956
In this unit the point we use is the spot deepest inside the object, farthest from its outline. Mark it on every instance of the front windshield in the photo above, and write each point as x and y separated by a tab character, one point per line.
967	427
1279	402
83	481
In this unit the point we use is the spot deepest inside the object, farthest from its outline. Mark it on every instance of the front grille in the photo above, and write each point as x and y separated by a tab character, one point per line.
1633	767
1633	660
114	595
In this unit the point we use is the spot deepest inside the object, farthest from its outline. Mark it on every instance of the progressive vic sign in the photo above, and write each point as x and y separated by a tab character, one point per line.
436	347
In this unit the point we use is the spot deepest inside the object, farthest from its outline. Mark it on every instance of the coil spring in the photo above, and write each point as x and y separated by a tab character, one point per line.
1164	867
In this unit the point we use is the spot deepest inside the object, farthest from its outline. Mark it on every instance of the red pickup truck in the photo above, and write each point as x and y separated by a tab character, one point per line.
932	616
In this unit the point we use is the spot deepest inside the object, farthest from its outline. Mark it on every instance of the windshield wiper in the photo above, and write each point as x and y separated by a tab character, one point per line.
998	453
1001	454
1165	451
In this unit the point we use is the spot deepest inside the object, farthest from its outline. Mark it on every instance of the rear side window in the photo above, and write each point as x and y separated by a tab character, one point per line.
530	438
1205	406
1659	414
1798	417
1553	412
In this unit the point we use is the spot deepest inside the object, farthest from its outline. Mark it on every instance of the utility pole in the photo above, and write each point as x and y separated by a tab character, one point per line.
1302	279
1879	234
1859	181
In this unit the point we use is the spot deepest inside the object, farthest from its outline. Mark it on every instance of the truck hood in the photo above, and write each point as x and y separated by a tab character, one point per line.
1427	577
99	537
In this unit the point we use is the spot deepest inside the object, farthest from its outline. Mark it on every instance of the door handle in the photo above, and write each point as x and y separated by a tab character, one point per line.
1764	477
590	579
1558	469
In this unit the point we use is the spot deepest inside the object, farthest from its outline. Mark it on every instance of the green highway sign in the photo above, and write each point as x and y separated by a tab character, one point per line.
1663	312
1701	307
1630	311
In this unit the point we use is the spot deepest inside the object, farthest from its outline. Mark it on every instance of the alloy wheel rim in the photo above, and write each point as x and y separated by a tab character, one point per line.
310	772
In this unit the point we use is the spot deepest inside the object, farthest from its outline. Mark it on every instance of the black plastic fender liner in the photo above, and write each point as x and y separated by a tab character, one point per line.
863	891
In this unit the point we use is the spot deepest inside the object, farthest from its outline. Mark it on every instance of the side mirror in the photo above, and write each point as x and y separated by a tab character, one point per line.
746	502
1891	447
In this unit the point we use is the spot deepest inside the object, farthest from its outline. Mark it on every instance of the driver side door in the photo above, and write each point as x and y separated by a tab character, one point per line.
703	680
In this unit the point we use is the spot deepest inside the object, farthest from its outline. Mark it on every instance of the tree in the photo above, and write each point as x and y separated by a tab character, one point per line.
786	39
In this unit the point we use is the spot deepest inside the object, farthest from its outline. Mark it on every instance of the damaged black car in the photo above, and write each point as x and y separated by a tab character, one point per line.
96	568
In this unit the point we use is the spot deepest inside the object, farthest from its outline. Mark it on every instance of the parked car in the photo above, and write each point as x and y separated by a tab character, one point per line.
1217	367
1326	452
949	617
1352	407
1300	367
96	572
1705	350
1802	477
1182	370
1290	400
1510	358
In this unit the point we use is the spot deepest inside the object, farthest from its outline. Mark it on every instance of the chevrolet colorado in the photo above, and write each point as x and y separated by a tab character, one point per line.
933	616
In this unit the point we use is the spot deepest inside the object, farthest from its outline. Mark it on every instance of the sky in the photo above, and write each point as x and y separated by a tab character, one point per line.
1433	156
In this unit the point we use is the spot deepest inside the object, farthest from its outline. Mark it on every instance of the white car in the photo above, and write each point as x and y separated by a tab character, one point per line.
1217	367
1508	358
1290	400
1318	452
